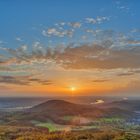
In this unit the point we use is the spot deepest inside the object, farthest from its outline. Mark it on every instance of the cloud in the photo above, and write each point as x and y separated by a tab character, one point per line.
23	80
135	30
132	42
126	74
109	50
136	71
19	39
6	61
13	80
86	56
57	32
99	57
41	81
122	7
91	20
129	72
75	24
68	29
90	31
100	80
97	20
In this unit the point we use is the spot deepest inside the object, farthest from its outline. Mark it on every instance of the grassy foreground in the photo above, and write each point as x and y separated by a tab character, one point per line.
29	133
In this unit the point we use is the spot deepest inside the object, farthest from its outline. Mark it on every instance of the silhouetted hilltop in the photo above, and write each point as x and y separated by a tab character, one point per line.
56	109
61	107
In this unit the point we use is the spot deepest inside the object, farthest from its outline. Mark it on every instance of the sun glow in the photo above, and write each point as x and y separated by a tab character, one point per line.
72	88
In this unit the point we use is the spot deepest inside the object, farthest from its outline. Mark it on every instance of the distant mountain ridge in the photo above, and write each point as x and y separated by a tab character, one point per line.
131	105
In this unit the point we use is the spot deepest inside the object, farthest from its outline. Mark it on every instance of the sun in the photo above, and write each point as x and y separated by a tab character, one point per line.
72	88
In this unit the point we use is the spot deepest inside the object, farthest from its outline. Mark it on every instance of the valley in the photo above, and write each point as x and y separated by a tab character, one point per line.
59	116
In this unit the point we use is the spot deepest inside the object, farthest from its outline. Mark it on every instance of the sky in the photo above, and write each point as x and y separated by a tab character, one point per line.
76	47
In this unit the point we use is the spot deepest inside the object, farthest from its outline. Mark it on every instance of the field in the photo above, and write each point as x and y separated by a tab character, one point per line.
53	127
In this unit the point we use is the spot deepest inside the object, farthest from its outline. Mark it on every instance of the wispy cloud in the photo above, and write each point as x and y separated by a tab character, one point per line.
19	39
13	80
75	24
23	80
126	74
97	20
100	80
57	32
68	29
105	53
95	56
